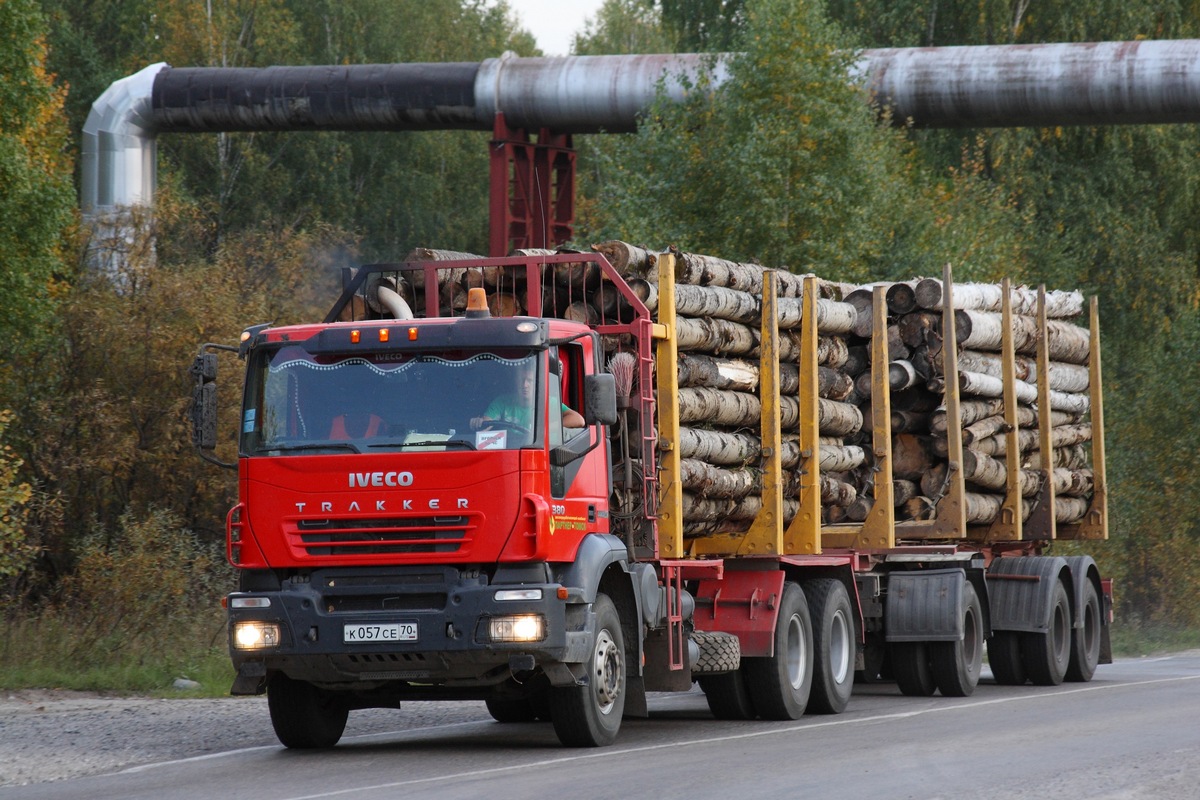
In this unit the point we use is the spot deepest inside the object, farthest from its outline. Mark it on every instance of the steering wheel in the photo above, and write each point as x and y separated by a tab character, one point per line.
509	425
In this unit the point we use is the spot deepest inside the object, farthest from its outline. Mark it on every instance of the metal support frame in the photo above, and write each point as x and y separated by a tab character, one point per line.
532	194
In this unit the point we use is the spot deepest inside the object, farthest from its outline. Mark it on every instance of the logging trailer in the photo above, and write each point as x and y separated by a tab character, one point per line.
696	530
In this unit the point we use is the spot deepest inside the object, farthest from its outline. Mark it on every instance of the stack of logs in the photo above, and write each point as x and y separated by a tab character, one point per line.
919	421
718	308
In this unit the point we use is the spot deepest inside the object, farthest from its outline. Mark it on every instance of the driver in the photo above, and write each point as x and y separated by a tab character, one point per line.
517	409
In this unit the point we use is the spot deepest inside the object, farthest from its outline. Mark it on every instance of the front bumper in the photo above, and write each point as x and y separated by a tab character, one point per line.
452	611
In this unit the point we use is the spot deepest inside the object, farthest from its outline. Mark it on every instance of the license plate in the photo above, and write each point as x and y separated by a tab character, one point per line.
387	632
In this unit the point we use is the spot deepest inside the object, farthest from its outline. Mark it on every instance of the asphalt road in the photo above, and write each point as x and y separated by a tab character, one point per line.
1133	732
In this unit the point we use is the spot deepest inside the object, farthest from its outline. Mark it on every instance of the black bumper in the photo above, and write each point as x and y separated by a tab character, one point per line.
451	610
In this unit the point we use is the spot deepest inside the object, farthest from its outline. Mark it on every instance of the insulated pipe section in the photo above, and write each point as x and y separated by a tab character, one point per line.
585	94
1105	83
1148	82
365	97
579	94
118	152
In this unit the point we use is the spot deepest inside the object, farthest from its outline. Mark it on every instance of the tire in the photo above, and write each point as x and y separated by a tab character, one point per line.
303	716
510	709
780	685
1085	640
834	645
956	665
590	715
1047	654
1004	657
526	702
719	652
910	666
727	695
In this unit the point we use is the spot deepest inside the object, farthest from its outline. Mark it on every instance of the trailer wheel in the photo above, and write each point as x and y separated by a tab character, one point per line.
910	666
780	685
956	665
834	645
727	696
1085	640
590	715
1004	657
303	716
1047	654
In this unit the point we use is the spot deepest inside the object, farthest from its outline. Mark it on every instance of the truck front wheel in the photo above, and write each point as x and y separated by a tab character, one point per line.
590	715
305	717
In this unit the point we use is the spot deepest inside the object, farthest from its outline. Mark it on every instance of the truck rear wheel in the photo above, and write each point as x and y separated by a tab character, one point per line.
1085	640
834	644
305	717
727	696
1004	657
780	685
590	715
956	665
1047	654
910	665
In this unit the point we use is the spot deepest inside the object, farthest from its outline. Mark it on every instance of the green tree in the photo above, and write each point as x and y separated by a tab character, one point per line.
36	200
787	163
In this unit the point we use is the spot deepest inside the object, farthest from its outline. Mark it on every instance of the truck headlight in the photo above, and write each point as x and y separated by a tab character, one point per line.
518	628
253	635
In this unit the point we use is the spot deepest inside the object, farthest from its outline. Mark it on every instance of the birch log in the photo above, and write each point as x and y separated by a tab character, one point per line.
990	297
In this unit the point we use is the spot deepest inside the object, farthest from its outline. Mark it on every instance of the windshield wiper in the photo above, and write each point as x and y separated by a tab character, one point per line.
314	446
459	443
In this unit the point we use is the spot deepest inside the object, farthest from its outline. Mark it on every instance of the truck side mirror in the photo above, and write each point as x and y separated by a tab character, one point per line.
204	401
600	399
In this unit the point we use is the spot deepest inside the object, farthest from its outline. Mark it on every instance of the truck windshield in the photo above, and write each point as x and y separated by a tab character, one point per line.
298	402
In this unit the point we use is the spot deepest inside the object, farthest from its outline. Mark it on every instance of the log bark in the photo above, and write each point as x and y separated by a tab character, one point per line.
1065	341
627	259
990	297
725	448
742	409
1072	457
704	270
970	411
1028	440
991	473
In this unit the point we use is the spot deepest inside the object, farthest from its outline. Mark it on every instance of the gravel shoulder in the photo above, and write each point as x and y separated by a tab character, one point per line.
54	735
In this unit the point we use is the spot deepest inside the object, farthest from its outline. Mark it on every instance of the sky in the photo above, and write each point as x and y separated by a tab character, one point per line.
554	23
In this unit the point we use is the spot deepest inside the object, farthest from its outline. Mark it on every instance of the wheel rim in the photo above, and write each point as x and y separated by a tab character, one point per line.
607	681
797	653
839	648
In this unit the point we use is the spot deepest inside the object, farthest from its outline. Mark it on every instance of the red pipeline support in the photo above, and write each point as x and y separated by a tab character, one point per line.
532	200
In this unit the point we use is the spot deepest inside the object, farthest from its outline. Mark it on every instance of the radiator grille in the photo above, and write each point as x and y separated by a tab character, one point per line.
382	535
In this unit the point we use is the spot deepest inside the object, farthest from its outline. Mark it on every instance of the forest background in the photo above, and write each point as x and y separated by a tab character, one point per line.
111	529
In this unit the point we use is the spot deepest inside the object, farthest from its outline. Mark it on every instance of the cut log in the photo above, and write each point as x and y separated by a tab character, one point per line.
970	411
981	330
991	473
917	328
1028	439
910	457
704	270
1073	457
901	298
990	297
740	409
628	259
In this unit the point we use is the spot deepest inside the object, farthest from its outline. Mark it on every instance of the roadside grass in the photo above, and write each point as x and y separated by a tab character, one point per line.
56	650
1133	640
